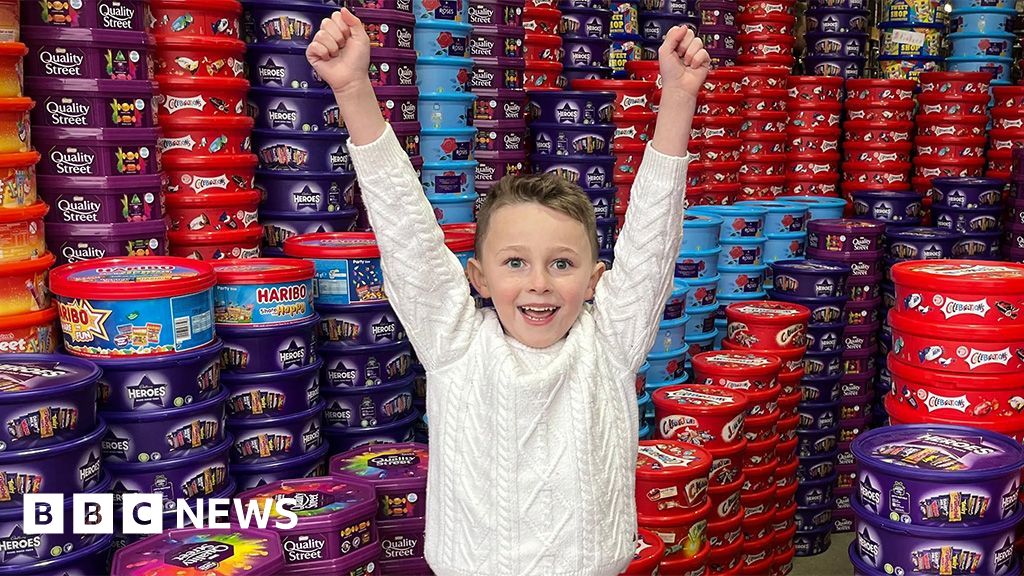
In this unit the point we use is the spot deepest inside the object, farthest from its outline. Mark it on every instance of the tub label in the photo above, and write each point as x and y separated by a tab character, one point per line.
201	184
935	402
62	61
282	116
249	304
271	73
200	556
175	104
951	308
63	111
182	143
304	548
115	15
147	392
976	358
73	161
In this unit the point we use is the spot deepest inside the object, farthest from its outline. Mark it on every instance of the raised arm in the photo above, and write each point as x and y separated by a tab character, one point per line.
630	298
425	282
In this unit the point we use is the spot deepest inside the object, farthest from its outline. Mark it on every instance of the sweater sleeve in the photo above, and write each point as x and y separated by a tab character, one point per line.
424	280
630	298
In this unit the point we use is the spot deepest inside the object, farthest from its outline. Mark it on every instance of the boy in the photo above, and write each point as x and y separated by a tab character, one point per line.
533	414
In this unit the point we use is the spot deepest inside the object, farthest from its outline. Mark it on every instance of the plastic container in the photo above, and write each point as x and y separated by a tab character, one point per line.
708	416
259	550
96	152
998	67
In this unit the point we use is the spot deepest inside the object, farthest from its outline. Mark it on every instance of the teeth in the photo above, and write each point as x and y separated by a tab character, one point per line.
529	309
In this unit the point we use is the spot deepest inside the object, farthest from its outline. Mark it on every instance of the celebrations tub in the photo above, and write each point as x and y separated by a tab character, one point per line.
967	349
766	325
232	550
117	306
672	477
960	292
708	416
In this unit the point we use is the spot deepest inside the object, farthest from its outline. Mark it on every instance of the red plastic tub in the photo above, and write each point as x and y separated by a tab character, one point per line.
880	110
213	211
939	167
720	172
1007	118
197	174
757	454
761	77
243	243
761	187
727	560
737	370
934	103
543	76
720	105
778	23
725	531
541	46
671	477
720	150
1007	96
720	127
634	128
865	131
543	20
900	413
766	44
880	89
30	332
809	163
650	549
758	143
725	499
760	428
883	174
818	118
792	358
956	84
757	503
763	165
955	126
217	18
877	153
812	90
953	395
723	82
967	349
817	185
766	325
682	566
204	97
1005	139
216	136
761	402
708	416
630	95
961	292
685	535
199	56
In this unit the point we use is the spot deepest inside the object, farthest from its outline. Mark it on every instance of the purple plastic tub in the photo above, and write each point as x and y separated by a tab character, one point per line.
818	415
896	207
920	243
815	493
862	361
496	13
860	337
967	192
588	172
328	192
397	472
309	465
719	38
189	478
500	105
259	349
974	246
500	136
290	25
122	15
493	166
88	103
63	468
362	366
968	220
48	399
401	431
853	408
75	242
813	542
286	67
816	467
309	110
823	364
859	313
402	545
272	394
864	288
496	42
686	7
810	278
156	383
369	324
497	74
848	67
167	434
96	151
585	51
837	44
335	520
837	21
723	57
277	438
83	53
203	551
823	310
570	107
302	151
603	201
811	517
857	385
824	337
572	140
280	226
587	73
586	22
861	263
101	199
815	442
972	479
654	25
368	407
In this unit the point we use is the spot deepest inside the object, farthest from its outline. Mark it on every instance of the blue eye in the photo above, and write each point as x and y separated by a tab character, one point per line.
562	264
514	263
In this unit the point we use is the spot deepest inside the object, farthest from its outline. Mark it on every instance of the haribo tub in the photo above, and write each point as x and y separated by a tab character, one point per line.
134	306
229	551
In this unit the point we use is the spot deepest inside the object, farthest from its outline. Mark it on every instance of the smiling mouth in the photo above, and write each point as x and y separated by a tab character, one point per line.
538	314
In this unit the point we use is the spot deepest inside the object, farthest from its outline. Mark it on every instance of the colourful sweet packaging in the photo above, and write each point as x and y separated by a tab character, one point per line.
398	473
202	552
263	291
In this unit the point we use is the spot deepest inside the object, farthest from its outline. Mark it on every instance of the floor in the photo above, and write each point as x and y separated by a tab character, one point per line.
834	562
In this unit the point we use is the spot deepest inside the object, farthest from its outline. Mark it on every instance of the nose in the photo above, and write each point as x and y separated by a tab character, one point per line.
539	281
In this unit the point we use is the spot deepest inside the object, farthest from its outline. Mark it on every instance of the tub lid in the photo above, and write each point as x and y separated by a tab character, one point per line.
922	233
43	86
385	466
208	43
938	381
228	551
230	6
44	262
326	501
239	200
938	452
657	459
650	549
262	270
22	213
333	245
24	374
821	267
736	363
701	398
993	334
846	226
142	136
961	276
51	184
204	161
947	183
136	278
183	239
768	312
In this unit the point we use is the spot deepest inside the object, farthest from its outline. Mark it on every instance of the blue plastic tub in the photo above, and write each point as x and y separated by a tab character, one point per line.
819	207
697	344
447	144
666	366
741	279
675	305
785	246
999	68
453	209
645	432
445	10
741	252
644	407
449	177
446	110
721	331
703	292
698	264
990	4
988	44
702	320
442	38
782	216
700	231
671	335
981	20
436	75
738	221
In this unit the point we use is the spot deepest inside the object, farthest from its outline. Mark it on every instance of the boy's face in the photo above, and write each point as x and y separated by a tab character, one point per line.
538	268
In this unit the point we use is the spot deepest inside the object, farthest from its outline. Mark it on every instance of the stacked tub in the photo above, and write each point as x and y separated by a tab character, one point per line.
878	135
719	27
813	135
627	41
973	208
54	433
765	49
837	38
498	48
1007	127
147	322
768	338
668	345
763	166
366	372
713	176
657	17
785	227
1013	240
264	314
304	167
697	268
572	134
818	207
91	72
586	39
752	21
205	125
982	38
912	36
398	476
542	21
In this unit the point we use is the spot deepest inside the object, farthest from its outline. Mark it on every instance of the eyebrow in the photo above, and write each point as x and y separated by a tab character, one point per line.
558	249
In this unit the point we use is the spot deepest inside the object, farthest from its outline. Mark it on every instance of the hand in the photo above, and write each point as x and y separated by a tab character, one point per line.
684	62
340	52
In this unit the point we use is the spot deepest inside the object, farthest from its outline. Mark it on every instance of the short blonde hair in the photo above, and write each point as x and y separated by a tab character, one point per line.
548	190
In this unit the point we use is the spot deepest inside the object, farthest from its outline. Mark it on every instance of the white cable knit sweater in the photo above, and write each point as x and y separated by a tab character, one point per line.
532	451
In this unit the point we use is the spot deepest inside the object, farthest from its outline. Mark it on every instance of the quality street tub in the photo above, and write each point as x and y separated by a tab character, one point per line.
84	53
397	472
102	199
231	550
844	236
96	151
138	306
78	242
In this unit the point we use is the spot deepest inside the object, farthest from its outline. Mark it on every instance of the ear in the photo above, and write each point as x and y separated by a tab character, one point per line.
477	278
595	276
